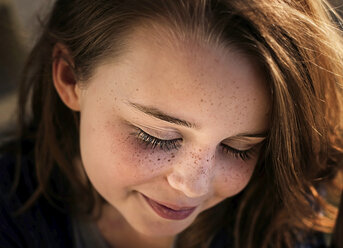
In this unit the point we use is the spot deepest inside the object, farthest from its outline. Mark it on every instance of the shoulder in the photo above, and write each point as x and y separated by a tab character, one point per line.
41	225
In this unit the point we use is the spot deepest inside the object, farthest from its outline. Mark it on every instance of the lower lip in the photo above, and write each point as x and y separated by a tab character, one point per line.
168	213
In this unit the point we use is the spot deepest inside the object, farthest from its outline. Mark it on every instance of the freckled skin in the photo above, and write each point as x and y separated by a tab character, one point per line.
220	90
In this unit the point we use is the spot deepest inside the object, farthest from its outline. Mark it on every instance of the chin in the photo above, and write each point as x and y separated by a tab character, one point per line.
161	229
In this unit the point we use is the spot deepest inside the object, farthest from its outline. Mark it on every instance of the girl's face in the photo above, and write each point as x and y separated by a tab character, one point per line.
172	129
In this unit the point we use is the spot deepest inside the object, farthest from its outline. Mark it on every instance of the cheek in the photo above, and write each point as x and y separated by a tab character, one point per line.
115	159
233	176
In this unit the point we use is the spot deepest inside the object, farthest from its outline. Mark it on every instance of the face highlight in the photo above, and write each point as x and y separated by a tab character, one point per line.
180	125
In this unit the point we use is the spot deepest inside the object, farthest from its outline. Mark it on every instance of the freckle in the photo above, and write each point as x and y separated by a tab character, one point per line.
137	89
201	100
237	87
200	150
173	156
207	160
150	160
168	160
158	159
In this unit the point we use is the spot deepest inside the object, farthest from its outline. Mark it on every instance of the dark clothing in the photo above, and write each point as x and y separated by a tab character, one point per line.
40	226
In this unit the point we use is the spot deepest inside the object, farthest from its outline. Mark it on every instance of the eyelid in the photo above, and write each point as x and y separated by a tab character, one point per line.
242	146
153	142
243	155
158	134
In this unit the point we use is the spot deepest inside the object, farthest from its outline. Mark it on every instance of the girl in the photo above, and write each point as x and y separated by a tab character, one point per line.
178	123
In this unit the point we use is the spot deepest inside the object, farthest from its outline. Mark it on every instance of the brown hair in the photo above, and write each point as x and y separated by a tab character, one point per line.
300	49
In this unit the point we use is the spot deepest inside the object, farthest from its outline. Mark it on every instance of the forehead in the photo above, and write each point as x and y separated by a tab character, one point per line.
196	81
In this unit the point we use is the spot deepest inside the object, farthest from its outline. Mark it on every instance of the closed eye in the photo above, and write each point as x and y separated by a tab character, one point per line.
152	142
239	154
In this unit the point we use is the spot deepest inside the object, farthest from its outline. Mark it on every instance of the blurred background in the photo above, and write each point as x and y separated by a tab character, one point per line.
19	27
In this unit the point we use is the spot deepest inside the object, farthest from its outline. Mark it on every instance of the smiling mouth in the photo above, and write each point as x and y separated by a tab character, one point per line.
168	212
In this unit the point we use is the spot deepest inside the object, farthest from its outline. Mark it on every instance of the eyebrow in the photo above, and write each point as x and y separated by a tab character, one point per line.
154	112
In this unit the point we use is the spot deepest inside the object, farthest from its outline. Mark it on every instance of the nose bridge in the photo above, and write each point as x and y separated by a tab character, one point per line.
193	173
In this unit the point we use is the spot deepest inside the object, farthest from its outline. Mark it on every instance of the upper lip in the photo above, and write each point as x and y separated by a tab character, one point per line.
173	206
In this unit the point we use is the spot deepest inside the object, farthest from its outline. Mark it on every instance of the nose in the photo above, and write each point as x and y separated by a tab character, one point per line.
193	174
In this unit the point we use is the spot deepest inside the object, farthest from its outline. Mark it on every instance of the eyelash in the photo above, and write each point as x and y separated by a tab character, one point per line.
244	155
175	144
153	142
